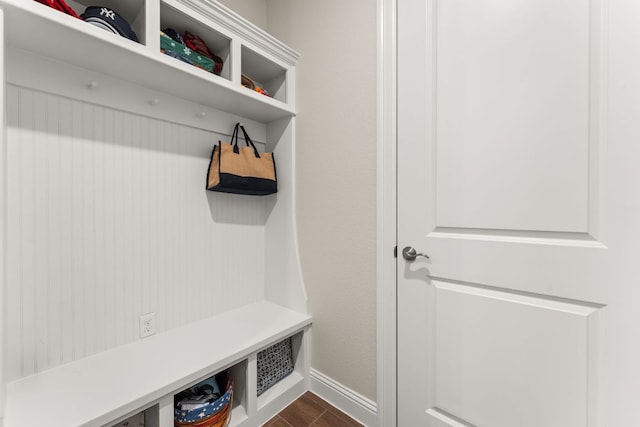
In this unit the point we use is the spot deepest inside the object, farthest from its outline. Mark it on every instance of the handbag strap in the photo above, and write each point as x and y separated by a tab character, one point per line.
248	141
234	138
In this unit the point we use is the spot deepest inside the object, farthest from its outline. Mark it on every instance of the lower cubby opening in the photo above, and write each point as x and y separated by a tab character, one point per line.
238	373
149	417
238	414
137	420
291	380
210	401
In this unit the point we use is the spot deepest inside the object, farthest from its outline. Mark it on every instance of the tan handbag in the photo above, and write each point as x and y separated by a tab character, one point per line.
241	170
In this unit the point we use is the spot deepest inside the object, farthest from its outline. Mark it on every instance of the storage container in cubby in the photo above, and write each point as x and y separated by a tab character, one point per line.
283	383
225	396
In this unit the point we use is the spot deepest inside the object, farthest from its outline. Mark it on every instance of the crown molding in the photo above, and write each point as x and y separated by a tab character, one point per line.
236	24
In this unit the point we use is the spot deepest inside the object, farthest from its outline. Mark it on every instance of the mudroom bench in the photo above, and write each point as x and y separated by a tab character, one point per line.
105	146
103	389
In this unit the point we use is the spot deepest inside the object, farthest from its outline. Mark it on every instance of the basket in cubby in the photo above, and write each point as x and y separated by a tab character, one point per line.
274	363
216	413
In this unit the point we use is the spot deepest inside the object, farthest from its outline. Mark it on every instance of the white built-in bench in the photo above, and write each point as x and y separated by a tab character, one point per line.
60	57
144	376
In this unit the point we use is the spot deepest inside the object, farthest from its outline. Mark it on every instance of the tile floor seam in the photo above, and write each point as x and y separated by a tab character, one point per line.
319	416
327	410
286	422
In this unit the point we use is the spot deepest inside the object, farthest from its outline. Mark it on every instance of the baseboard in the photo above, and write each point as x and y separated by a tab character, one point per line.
348	401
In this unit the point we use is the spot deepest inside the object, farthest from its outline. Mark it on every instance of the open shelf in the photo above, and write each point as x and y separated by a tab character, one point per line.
136	420
238	373
290	381
194	391
220	45
238	416
133	11
94	49
265	73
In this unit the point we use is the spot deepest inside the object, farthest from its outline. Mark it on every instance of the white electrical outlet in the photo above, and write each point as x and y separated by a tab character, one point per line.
147	324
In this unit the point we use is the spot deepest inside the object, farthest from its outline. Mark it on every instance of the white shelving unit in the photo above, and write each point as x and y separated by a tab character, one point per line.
48	52
48	33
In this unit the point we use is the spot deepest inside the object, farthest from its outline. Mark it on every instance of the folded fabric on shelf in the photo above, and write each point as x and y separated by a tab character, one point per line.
197	44
172	48
60	5
175	36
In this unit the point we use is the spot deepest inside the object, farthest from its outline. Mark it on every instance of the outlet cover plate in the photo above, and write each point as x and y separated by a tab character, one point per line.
147	324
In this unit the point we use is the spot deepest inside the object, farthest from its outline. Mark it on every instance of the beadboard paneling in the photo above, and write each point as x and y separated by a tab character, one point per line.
108	219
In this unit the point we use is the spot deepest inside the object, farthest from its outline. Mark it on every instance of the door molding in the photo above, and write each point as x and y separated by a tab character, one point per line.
386	220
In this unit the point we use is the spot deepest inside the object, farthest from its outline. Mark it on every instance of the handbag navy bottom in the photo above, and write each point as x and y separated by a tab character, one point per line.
230	183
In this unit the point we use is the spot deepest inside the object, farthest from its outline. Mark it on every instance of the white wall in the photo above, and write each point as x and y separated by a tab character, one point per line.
108	219
336	145
255	11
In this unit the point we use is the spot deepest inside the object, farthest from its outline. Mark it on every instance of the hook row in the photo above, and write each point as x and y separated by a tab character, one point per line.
153	102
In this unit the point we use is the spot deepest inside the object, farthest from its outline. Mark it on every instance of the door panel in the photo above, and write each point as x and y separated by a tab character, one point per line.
512	114
495	348
517	163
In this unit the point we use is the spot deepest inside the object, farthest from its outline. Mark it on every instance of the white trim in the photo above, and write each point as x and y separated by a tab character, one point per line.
231	21
3	215
24	69
348	401
386	215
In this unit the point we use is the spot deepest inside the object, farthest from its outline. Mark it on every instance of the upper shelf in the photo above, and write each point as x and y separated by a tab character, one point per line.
46	32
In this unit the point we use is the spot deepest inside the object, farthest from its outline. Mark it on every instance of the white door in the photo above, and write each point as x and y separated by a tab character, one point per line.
519	176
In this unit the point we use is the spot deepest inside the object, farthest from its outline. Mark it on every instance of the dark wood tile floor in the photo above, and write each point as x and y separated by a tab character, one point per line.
311	411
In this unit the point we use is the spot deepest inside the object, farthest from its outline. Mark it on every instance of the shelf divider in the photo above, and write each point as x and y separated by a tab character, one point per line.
152	25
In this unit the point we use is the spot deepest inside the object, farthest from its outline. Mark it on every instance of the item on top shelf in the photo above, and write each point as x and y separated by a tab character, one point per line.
176	56
202	405
274	363
194	42
60	5
109	20
172	48
241	170
262	90
175	36
247	82
250	84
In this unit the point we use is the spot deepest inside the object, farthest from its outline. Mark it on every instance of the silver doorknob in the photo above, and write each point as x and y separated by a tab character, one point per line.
410	254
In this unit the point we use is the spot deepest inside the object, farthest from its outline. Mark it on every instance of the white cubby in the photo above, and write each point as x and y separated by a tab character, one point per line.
146	418
291	380
265	73
240	394
220	45
133	11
